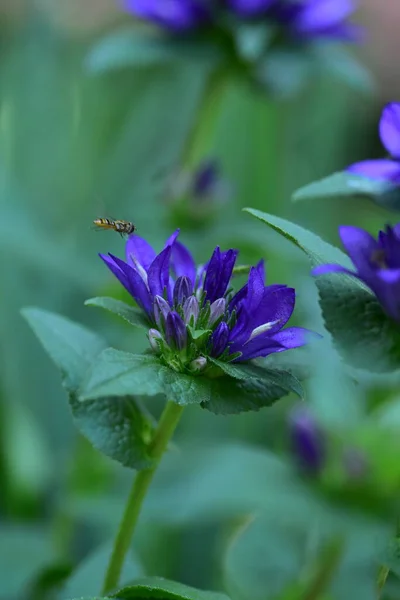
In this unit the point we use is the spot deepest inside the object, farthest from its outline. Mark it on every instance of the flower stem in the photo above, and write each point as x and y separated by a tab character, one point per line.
162	435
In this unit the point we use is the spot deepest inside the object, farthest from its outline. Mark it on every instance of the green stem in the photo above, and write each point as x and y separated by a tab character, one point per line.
162	435
206	117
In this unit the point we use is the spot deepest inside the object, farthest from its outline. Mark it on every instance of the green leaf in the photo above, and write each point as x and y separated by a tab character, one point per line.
71	347
348	185
231	396
339	61
129	48
284	72
116	426
362	332
164	589
88	577
133	315
118	373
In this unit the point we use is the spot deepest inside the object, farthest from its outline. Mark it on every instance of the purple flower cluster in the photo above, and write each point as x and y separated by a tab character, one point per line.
385	169
192	311
302	18
376	261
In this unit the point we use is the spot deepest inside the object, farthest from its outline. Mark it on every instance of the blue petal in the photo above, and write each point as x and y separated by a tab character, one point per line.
331	268
389	128
382	169
294	337
319	15
182	262
219	339
249	8
158	274
360	246
132	281
260	346
138	250
176	15
387	289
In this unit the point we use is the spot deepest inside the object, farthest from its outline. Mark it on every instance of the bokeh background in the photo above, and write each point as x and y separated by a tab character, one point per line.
75	145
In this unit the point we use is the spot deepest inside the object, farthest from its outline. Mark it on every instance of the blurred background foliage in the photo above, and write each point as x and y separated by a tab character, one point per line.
75	145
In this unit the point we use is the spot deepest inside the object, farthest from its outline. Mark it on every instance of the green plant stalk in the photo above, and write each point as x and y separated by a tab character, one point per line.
162	435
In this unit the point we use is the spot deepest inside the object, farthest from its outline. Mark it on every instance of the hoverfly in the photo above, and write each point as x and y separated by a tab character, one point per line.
122	227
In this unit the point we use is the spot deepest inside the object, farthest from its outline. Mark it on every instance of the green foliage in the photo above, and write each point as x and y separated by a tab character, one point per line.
362	332
132	315
116	426
347	185
156	587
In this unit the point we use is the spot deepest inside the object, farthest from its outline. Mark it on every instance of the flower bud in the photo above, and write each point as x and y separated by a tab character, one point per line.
307	442
219	339
154	335
198	365
183	289
191	310
217	310
175	331
161	310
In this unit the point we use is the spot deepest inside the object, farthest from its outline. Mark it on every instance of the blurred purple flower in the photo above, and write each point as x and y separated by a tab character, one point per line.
376	261
205	179
174	15
306	440
179	299
385	169
309	19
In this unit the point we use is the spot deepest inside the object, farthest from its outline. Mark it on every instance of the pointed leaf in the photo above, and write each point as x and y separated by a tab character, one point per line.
118	373
71	347
348	185
362	332
116	426
164	589
133	315
275	377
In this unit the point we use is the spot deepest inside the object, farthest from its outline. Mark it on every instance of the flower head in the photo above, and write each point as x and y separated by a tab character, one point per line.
376	261
194	310
174	15
385	169
304	19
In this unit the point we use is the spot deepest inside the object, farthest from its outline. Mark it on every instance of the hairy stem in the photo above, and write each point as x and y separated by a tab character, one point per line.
162	435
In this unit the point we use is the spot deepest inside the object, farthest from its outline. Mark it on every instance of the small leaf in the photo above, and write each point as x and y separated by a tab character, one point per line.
251	371
118	373
71	347
88	577
348	185
130	48
164	589
362	332
284	72
129	313
231	396
336	59
116	426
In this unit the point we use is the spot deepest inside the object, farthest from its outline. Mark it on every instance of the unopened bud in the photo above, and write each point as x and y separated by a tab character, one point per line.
198	365
191	310
161	310
154	339
182	290
307	441
217	310
175	331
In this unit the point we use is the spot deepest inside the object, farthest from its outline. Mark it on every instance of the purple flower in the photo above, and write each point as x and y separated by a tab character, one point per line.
307	19
195	310
174	15
306	440
376	261
205	179
385	169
